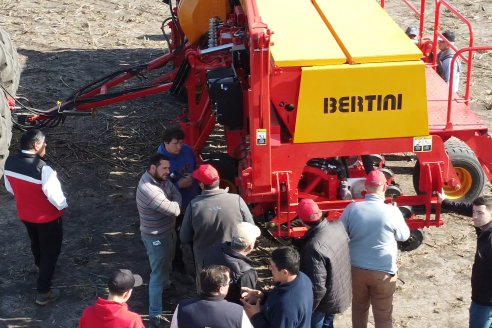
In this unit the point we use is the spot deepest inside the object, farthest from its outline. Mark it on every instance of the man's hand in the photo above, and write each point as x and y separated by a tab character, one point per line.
186	181
441	196
251	309
251	295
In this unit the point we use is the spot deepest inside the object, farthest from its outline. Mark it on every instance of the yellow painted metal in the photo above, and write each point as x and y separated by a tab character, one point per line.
194	16
366	32
466	184
300	37
334	102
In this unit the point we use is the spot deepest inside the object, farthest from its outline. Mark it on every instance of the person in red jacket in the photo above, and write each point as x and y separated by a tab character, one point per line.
113	312
40	204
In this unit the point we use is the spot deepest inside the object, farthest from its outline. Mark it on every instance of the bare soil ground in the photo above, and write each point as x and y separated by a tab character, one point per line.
66	44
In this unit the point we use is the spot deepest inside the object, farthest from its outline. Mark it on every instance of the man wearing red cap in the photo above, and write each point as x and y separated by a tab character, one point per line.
212	216
374	228
325	260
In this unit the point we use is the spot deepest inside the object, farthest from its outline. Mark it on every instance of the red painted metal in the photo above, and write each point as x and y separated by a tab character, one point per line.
273	177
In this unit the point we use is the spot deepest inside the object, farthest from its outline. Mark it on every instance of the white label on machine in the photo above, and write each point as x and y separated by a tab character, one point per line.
421	144
261	135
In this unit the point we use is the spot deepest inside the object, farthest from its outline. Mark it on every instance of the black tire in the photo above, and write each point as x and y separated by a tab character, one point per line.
468	169
9	64
413	242
9	79
5	130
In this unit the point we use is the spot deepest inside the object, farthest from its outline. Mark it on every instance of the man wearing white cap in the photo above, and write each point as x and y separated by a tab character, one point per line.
234	255
374	228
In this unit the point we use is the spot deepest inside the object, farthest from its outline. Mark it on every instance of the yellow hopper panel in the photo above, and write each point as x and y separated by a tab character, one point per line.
360	26
366	101
300	38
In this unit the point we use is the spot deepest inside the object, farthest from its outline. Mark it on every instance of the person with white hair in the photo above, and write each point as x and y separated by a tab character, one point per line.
234	255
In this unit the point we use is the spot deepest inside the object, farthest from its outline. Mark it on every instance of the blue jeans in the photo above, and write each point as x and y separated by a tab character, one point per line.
322	320
160	251
480	316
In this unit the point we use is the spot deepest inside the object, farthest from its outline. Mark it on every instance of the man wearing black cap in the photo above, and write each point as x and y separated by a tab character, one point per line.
412	32
325	260
444	58
113	312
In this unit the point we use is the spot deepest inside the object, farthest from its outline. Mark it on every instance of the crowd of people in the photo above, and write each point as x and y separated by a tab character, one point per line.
338	263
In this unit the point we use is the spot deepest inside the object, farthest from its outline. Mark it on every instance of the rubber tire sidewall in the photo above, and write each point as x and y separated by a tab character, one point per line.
5	130
461	156
9	64
9	78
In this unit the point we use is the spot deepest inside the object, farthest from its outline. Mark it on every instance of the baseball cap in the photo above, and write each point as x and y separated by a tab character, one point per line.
375	178
206	174
308	210
412	30
448	35
123	280
245	233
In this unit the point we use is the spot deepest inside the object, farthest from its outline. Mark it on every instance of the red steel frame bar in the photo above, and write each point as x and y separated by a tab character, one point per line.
449	125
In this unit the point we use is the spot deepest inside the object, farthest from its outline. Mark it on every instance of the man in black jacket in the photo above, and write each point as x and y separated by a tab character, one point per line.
481	279
234	255
325	259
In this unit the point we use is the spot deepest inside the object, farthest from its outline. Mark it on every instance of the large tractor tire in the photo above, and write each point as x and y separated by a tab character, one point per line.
467	168
9	79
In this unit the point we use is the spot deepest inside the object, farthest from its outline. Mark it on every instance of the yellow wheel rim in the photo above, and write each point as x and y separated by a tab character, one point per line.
466	184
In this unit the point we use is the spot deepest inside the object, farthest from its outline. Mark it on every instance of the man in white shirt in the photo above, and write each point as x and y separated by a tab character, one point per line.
40	204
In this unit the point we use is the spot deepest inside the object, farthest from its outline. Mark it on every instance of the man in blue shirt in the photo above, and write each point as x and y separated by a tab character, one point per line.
290	303
374	228
183	162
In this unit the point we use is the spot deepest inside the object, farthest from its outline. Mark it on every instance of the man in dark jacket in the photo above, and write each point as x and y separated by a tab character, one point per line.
210	309
114	312
481	280
211	217
40	204
234	255
290	303
325	259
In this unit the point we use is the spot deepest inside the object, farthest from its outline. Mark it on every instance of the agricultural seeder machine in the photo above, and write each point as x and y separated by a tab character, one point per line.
309	96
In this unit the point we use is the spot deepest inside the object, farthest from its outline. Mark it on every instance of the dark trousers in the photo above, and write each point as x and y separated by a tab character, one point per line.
178	261
46	241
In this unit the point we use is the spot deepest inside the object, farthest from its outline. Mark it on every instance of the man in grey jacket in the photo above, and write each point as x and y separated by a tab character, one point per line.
158	202
212	216
325	259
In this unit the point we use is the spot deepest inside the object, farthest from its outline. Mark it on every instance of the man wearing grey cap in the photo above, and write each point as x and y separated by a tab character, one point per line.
234	255
114	312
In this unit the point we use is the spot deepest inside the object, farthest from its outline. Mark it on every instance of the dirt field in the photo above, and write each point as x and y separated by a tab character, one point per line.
66	44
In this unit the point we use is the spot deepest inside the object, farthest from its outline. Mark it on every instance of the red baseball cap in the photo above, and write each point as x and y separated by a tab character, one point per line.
308	211
375	178
206	174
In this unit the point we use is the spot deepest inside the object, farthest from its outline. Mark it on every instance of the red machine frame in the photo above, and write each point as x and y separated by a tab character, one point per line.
269	174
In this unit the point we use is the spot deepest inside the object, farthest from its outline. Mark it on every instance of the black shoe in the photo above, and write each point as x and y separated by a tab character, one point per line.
45	298
157	321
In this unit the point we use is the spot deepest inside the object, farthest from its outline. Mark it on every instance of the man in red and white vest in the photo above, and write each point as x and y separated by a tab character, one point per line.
40	203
